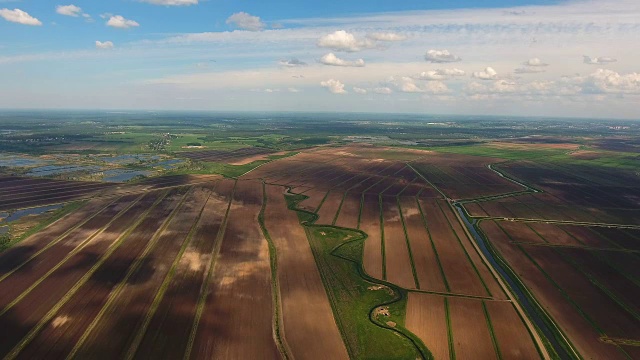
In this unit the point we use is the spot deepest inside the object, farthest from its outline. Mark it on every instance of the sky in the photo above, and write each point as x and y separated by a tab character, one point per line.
505	57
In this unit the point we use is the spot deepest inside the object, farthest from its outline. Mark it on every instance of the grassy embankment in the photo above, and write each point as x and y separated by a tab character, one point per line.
358	300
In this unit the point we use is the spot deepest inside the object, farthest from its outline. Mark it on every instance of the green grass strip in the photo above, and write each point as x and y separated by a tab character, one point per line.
406	239
73	252
205	288
452	349
494	340
433	246
163	288
283	347
57	239
115	293
43	322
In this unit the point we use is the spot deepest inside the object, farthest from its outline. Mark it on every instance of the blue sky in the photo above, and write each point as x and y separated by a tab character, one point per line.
469	57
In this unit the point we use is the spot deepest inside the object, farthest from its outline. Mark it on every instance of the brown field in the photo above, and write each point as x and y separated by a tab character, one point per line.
237	317
309	328
426	318
512	336
34	304
398	264
424	257
179	266
350	211
170	327
589	314
329	208
464	176
459	273
122	318
370	224
471	335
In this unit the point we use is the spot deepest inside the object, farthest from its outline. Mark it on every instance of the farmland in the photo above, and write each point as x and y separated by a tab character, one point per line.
318	241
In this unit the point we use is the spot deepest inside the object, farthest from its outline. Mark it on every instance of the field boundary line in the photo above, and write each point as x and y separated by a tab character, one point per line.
277	317
115	293
141	332
49	315
204	288
72	253
447	316
433	246
494	339
533	331
457	295
408	242
58	238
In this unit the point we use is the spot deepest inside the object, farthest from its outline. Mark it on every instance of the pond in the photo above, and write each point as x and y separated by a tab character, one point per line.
19	214
123	175
49	170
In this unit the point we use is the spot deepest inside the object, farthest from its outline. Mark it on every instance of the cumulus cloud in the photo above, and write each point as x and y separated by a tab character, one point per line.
334	86
117	21
104	45
246	21
333	60
408	85
383	90
360	91
69	10
292	63
488	74
605	81
598	60
171	2
441	56
439	74
344	41
534	62
386	36
19	16
529	70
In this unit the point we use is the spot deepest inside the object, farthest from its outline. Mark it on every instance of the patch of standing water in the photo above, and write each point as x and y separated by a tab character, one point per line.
4	230
130	159
19	214
17	161
123	175
169	164
61	169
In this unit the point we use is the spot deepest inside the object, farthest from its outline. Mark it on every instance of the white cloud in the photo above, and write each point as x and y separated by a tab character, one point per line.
488	74
104	45
19	16
334	86
171	2
610	82
294	62
386	36
534	62
598	60
117	21
246	21
69	10
359	90
383	90
441	56
529	70
407	85
439	74
333	60
293	90
344	41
